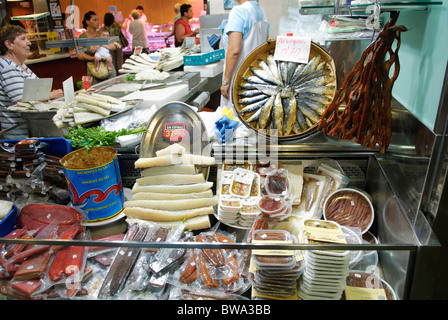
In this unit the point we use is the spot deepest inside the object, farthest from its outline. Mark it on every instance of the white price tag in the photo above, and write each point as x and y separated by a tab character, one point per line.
293	49
69	91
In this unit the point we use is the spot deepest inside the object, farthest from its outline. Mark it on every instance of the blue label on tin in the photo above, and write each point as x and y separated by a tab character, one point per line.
97	191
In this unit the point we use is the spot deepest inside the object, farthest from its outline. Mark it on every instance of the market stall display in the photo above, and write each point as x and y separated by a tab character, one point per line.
173	199
276	191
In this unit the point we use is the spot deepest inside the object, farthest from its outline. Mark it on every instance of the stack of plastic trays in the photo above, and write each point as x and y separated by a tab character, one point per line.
325	272
249	212
275	274
229	208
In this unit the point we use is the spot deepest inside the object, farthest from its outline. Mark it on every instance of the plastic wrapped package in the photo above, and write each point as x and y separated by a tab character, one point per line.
216	271
274	273
277	183
29	175
124	259
129	120
55	272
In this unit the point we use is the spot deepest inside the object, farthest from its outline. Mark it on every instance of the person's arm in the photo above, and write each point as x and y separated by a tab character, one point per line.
180	33
85	57
232	56
170	35
112	46
57	93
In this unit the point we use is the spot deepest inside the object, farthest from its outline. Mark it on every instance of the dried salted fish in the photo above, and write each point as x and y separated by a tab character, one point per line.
285	98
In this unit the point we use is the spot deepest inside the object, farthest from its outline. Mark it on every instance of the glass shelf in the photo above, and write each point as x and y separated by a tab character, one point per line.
85	42
334	7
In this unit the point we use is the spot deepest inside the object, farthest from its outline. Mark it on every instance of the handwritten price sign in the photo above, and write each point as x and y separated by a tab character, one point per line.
293	49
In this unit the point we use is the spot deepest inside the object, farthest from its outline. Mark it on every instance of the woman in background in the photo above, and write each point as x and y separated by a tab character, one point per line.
114	29
137	30
91	23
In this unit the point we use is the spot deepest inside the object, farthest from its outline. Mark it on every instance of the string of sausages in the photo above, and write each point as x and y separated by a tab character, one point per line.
367	93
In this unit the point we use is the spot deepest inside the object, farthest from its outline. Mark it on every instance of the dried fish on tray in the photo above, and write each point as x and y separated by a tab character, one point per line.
90	107
165	60
36	106
281	98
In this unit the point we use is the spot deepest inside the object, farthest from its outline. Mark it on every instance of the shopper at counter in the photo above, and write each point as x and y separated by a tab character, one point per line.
141	15
91	23
137	30
176	17
246	29
15	49
114	29
182	29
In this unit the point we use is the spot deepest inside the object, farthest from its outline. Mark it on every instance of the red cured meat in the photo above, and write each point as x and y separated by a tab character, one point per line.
27	287
37	216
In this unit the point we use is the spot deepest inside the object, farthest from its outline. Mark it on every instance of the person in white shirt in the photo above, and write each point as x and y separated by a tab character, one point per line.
246	29
142	17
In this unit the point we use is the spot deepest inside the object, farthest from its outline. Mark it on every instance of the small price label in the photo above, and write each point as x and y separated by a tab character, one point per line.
138	50
174	131
324	235
86	82
356	293
293	49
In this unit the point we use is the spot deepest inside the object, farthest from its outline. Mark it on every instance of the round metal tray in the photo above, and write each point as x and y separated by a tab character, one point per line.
195	142
252	60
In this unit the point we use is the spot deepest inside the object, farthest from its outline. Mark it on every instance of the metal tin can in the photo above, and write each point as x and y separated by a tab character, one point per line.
94	182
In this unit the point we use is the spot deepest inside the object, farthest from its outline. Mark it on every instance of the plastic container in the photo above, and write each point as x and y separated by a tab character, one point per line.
249	212
230	204
273	260
281	216
343	255
357	278
241	183
8	222
226	181
276	183
227	217
349	207
271	235
272	205
255	190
